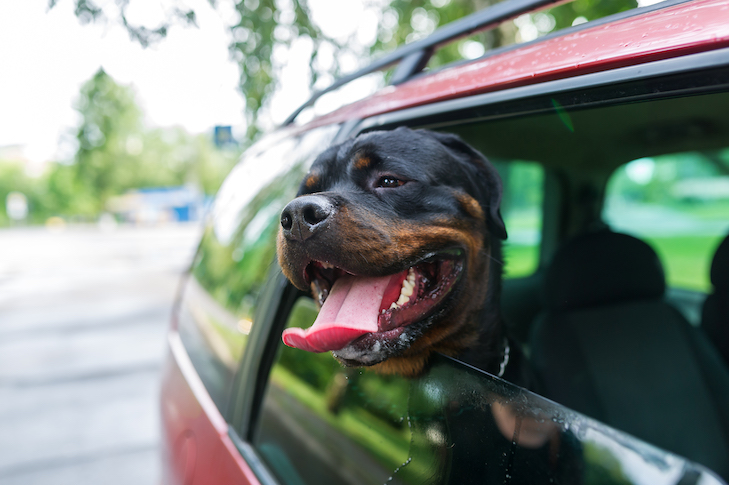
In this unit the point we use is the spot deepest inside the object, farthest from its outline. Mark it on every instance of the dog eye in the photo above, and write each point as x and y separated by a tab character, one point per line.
388	181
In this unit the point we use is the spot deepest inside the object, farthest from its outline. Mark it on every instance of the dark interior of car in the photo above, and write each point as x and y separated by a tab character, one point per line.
602	332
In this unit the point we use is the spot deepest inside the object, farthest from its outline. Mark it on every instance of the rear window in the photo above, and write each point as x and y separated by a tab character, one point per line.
679	204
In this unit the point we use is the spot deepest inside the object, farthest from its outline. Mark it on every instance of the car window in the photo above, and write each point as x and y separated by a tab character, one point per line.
237	249
521	209
322	423
679	204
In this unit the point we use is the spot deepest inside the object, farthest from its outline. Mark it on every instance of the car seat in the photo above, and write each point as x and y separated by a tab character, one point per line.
715	315
609	346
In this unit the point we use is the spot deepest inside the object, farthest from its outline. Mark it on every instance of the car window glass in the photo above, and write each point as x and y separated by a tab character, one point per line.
521	209
322	423
235	254
679	204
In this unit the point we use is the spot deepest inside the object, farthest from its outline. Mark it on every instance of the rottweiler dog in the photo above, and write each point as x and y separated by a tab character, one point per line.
398	236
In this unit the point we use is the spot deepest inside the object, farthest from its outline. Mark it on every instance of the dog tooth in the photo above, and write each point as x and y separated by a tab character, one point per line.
402	300
393	306
406	291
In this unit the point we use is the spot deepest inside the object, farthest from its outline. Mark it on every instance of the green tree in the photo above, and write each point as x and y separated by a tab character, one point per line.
116	153
270	26
111	122
14	179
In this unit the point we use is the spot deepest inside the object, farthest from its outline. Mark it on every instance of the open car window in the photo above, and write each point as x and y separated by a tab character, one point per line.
321	423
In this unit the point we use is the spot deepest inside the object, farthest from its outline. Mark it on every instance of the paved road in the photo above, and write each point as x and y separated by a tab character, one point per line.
83	314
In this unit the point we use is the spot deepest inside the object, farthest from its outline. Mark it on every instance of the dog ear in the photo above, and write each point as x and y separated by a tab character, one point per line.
485	172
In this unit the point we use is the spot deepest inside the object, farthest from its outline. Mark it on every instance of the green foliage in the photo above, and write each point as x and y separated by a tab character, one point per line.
111	119
664	172
88	11
602	467
687	219
415	20
270	26
264	26
564	15
14	179
116	153
66	196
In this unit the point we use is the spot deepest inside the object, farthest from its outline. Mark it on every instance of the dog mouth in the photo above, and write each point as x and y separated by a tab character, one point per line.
374	310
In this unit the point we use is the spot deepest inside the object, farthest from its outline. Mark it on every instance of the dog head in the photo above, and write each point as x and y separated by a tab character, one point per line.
393	233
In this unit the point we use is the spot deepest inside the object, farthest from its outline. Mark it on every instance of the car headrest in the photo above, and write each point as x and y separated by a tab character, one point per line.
720	265
601	268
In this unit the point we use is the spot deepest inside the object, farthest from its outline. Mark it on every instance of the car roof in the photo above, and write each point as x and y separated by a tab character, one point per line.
646	35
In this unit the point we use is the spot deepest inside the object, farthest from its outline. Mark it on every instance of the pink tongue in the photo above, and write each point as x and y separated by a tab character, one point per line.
350	311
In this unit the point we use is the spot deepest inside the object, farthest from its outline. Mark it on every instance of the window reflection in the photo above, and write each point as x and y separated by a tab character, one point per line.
235	255
471	427
322	423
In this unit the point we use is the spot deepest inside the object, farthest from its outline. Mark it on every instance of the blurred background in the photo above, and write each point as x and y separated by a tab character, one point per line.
119	119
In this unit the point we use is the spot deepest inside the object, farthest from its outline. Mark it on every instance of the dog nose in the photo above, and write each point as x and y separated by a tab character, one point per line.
304	216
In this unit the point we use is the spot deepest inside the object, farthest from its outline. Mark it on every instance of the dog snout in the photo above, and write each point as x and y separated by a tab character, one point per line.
305	215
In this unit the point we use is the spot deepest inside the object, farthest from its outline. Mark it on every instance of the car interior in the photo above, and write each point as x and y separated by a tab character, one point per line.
603	332
715	311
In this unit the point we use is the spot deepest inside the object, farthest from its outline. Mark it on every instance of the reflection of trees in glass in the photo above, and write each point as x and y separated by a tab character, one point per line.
365	407
602	467
234	274
343	386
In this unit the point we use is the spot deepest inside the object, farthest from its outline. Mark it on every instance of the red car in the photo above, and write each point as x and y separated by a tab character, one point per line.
618	128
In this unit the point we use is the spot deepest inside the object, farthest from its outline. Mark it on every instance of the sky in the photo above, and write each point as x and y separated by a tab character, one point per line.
186	79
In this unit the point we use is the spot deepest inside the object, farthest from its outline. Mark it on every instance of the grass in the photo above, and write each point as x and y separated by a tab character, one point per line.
520	260
686	259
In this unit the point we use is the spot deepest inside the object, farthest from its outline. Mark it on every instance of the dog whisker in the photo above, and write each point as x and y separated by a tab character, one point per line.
496	260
